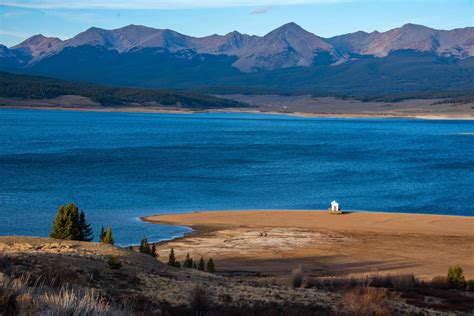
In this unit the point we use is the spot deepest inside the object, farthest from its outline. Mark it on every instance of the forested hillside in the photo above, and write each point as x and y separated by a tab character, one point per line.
33	87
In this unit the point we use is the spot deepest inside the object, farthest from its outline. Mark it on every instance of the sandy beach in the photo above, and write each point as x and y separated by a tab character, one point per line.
274	242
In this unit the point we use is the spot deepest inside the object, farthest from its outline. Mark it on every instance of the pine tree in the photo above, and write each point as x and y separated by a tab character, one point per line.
201	265
145	246
102	234
108	237
85	229
188	262
210	266
172	259
66	224
153	251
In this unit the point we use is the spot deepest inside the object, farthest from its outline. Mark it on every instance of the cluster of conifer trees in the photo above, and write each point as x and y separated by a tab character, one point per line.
71	224
146	248
106	235
189	263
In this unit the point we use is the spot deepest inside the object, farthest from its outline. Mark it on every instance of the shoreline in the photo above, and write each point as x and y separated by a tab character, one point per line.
157	219
196	229
272	242
247	111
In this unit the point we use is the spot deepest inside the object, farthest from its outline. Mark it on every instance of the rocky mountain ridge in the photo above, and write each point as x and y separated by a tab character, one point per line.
285	47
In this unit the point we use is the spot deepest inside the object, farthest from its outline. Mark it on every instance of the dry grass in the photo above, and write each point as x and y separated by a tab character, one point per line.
69	301
21	296
144	286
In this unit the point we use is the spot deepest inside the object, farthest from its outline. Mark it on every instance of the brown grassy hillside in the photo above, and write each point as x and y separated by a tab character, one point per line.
40	275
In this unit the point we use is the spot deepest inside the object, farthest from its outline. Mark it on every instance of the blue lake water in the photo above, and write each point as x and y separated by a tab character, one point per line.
120	166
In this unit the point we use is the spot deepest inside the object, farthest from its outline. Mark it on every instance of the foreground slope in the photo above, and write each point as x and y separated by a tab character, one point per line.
142	280
40	275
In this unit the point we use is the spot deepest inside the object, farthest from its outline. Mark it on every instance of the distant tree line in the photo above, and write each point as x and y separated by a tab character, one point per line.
448	96
33	87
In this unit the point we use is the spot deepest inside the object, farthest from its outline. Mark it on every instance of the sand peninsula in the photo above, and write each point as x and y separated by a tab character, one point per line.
271	243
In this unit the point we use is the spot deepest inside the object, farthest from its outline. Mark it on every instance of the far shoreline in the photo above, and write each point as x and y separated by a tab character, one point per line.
430	116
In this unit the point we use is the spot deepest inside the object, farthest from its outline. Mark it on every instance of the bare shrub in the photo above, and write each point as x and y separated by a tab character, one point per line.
297	277
138	304
440	282
333	283
403	282
470	285
114	263
199	300
363	301
400	282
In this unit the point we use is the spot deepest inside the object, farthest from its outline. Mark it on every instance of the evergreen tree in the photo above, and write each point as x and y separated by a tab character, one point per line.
85	229
210	266
188	262
201	265
145	246
194	265
66	224
153	251
102	234
108	237
172	259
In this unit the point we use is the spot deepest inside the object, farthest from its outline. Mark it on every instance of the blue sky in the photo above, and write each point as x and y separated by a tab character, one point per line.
20	19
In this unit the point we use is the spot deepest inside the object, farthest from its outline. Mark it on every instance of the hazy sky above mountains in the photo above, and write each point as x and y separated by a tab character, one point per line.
20	19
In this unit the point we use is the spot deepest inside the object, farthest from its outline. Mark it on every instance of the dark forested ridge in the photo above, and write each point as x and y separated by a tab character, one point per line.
400	73
34	87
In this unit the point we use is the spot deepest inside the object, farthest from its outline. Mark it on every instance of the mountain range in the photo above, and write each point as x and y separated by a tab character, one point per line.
288	57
